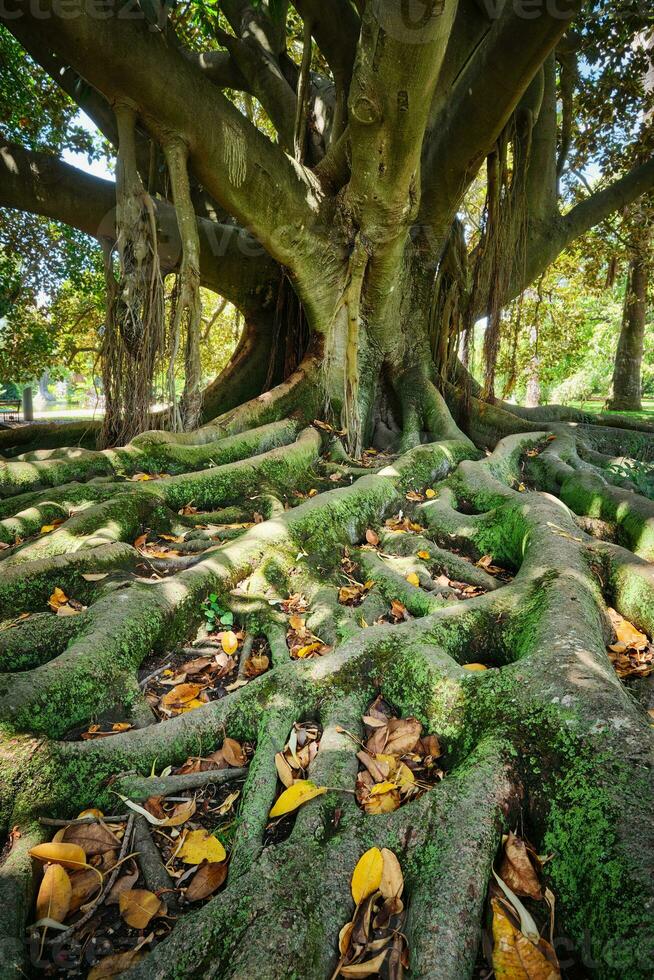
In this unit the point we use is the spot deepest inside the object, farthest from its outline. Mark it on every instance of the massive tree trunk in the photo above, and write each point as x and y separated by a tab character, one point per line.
626	385
354	286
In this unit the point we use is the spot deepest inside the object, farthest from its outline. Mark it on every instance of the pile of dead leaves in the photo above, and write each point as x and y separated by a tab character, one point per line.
519	950
160	548
292	765
631	653
93	899
463	590
87	893
400	522
299	752
374	938
62	605
302	643
195	682
398	763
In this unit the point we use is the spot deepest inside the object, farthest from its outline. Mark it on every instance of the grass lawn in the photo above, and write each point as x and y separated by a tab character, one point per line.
647	414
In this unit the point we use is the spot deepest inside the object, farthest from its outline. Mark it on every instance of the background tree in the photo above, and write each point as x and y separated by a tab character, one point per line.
340	241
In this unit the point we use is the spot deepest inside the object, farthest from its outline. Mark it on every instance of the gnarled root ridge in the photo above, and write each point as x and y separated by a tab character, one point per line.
546	738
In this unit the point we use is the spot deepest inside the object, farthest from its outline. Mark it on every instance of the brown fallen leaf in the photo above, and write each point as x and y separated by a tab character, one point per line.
517	869
367	968
93	838
206	880
233	753
114	965
84	884
626	632
372	537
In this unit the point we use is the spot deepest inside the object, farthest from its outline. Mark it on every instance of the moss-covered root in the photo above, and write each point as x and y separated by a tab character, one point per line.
16	898
147	455
587	492
282	917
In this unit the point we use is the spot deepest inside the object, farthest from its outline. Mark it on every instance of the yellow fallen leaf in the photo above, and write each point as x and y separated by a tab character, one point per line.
229	642
300	792
306	650
114	965
475	667
55	893
424	555
413	579
392	880
367	875
384	787
514	956
180	695
368	968
67	855
199	846
57	599
138	907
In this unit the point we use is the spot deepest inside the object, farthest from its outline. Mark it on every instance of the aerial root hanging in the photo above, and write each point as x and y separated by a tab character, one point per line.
186	307
135	331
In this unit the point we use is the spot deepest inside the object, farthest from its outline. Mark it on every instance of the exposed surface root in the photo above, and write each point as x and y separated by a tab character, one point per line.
394	582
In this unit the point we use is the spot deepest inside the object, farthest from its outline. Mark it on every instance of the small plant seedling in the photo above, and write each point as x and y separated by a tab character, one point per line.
214	613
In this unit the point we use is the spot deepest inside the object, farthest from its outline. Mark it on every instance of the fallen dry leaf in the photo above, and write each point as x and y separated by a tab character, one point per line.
92	838
229	642
67	855
233	753
367	874
514	956
295	796
199	846
206	880
114	965
392	879
517	869
138	907
55	893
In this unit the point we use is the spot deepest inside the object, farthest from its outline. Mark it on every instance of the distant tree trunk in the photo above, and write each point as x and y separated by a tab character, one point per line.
626	385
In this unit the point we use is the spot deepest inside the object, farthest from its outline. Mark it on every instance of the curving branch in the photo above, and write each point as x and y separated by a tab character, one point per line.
231	262
485	94
247	174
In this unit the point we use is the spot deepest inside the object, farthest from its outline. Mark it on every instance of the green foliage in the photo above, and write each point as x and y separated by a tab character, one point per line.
214	613
640	473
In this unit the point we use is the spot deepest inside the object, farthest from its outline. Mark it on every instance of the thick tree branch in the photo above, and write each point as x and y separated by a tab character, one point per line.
220	68
482	100
396	70
599	206
248	175
335	26
254	52
231	262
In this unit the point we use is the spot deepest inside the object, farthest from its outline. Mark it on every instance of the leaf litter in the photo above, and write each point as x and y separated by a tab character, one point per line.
93	907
